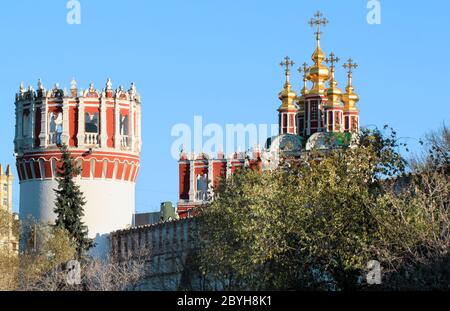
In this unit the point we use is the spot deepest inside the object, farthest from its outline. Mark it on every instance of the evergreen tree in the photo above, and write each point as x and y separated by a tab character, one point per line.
70	202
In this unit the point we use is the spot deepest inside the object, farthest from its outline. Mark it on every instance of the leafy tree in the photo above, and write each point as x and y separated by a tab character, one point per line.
70	202
316	222
43	264
8	258
48	249
427	265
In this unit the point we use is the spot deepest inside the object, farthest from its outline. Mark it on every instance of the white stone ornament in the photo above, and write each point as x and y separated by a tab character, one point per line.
73	84
109	84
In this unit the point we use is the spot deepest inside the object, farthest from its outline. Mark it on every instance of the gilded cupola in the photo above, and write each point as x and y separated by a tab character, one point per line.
334	94
319	74
287	95
350	98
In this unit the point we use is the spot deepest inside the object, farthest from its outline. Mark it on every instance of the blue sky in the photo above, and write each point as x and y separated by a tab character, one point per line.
219	59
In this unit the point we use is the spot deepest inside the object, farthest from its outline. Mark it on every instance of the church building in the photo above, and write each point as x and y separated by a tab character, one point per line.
320	116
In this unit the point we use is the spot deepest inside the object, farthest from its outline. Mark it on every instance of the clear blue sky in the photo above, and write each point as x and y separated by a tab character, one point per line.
219	59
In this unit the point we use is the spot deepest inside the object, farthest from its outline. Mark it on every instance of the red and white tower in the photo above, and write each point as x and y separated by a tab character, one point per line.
350	99
287	117
103	132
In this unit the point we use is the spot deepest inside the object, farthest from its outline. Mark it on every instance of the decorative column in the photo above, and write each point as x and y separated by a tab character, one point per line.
132	126
81	126
103	122
116	123
32	121
65	125
192	180
210	178
43	136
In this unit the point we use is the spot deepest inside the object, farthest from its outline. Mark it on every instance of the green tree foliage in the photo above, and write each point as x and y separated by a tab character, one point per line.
70	202
316	222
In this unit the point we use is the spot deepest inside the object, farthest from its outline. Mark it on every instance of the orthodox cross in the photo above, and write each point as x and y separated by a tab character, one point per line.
287	63
350	65
318	21
304	69
332	59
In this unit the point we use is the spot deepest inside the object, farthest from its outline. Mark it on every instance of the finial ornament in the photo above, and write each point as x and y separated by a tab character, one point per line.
287	63
304	69
40	85
350	98
91	87
287	96
73	84
109	84
318	21
22	87
332	60
349	66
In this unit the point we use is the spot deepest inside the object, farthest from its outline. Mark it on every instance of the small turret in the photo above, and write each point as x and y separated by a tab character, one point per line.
350	99
288	110
334	94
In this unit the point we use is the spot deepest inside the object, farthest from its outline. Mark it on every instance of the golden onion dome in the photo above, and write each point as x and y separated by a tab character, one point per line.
350	98
319	74
287	95
334	94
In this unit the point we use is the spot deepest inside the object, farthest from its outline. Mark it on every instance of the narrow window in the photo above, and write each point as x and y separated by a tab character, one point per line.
91	123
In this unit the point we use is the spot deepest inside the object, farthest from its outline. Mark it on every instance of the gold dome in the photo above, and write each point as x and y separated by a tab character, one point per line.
350	98
319	74
334	94
287	95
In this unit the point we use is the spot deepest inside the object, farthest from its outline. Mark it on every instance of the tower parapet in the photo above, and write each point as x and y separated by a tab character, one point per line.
102	129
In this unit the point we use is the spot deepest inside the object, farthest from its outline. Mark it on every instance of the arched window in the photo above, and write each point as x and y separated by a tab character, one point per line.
54	167
124	172
124	125
33	173
42	168
92	168
91	122
55	128
80	166
116	168
26	123
202	187
105	168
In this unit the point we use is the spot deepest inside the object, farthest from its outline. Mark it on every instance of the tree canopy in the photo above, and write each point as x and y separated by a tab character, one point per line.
316	222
